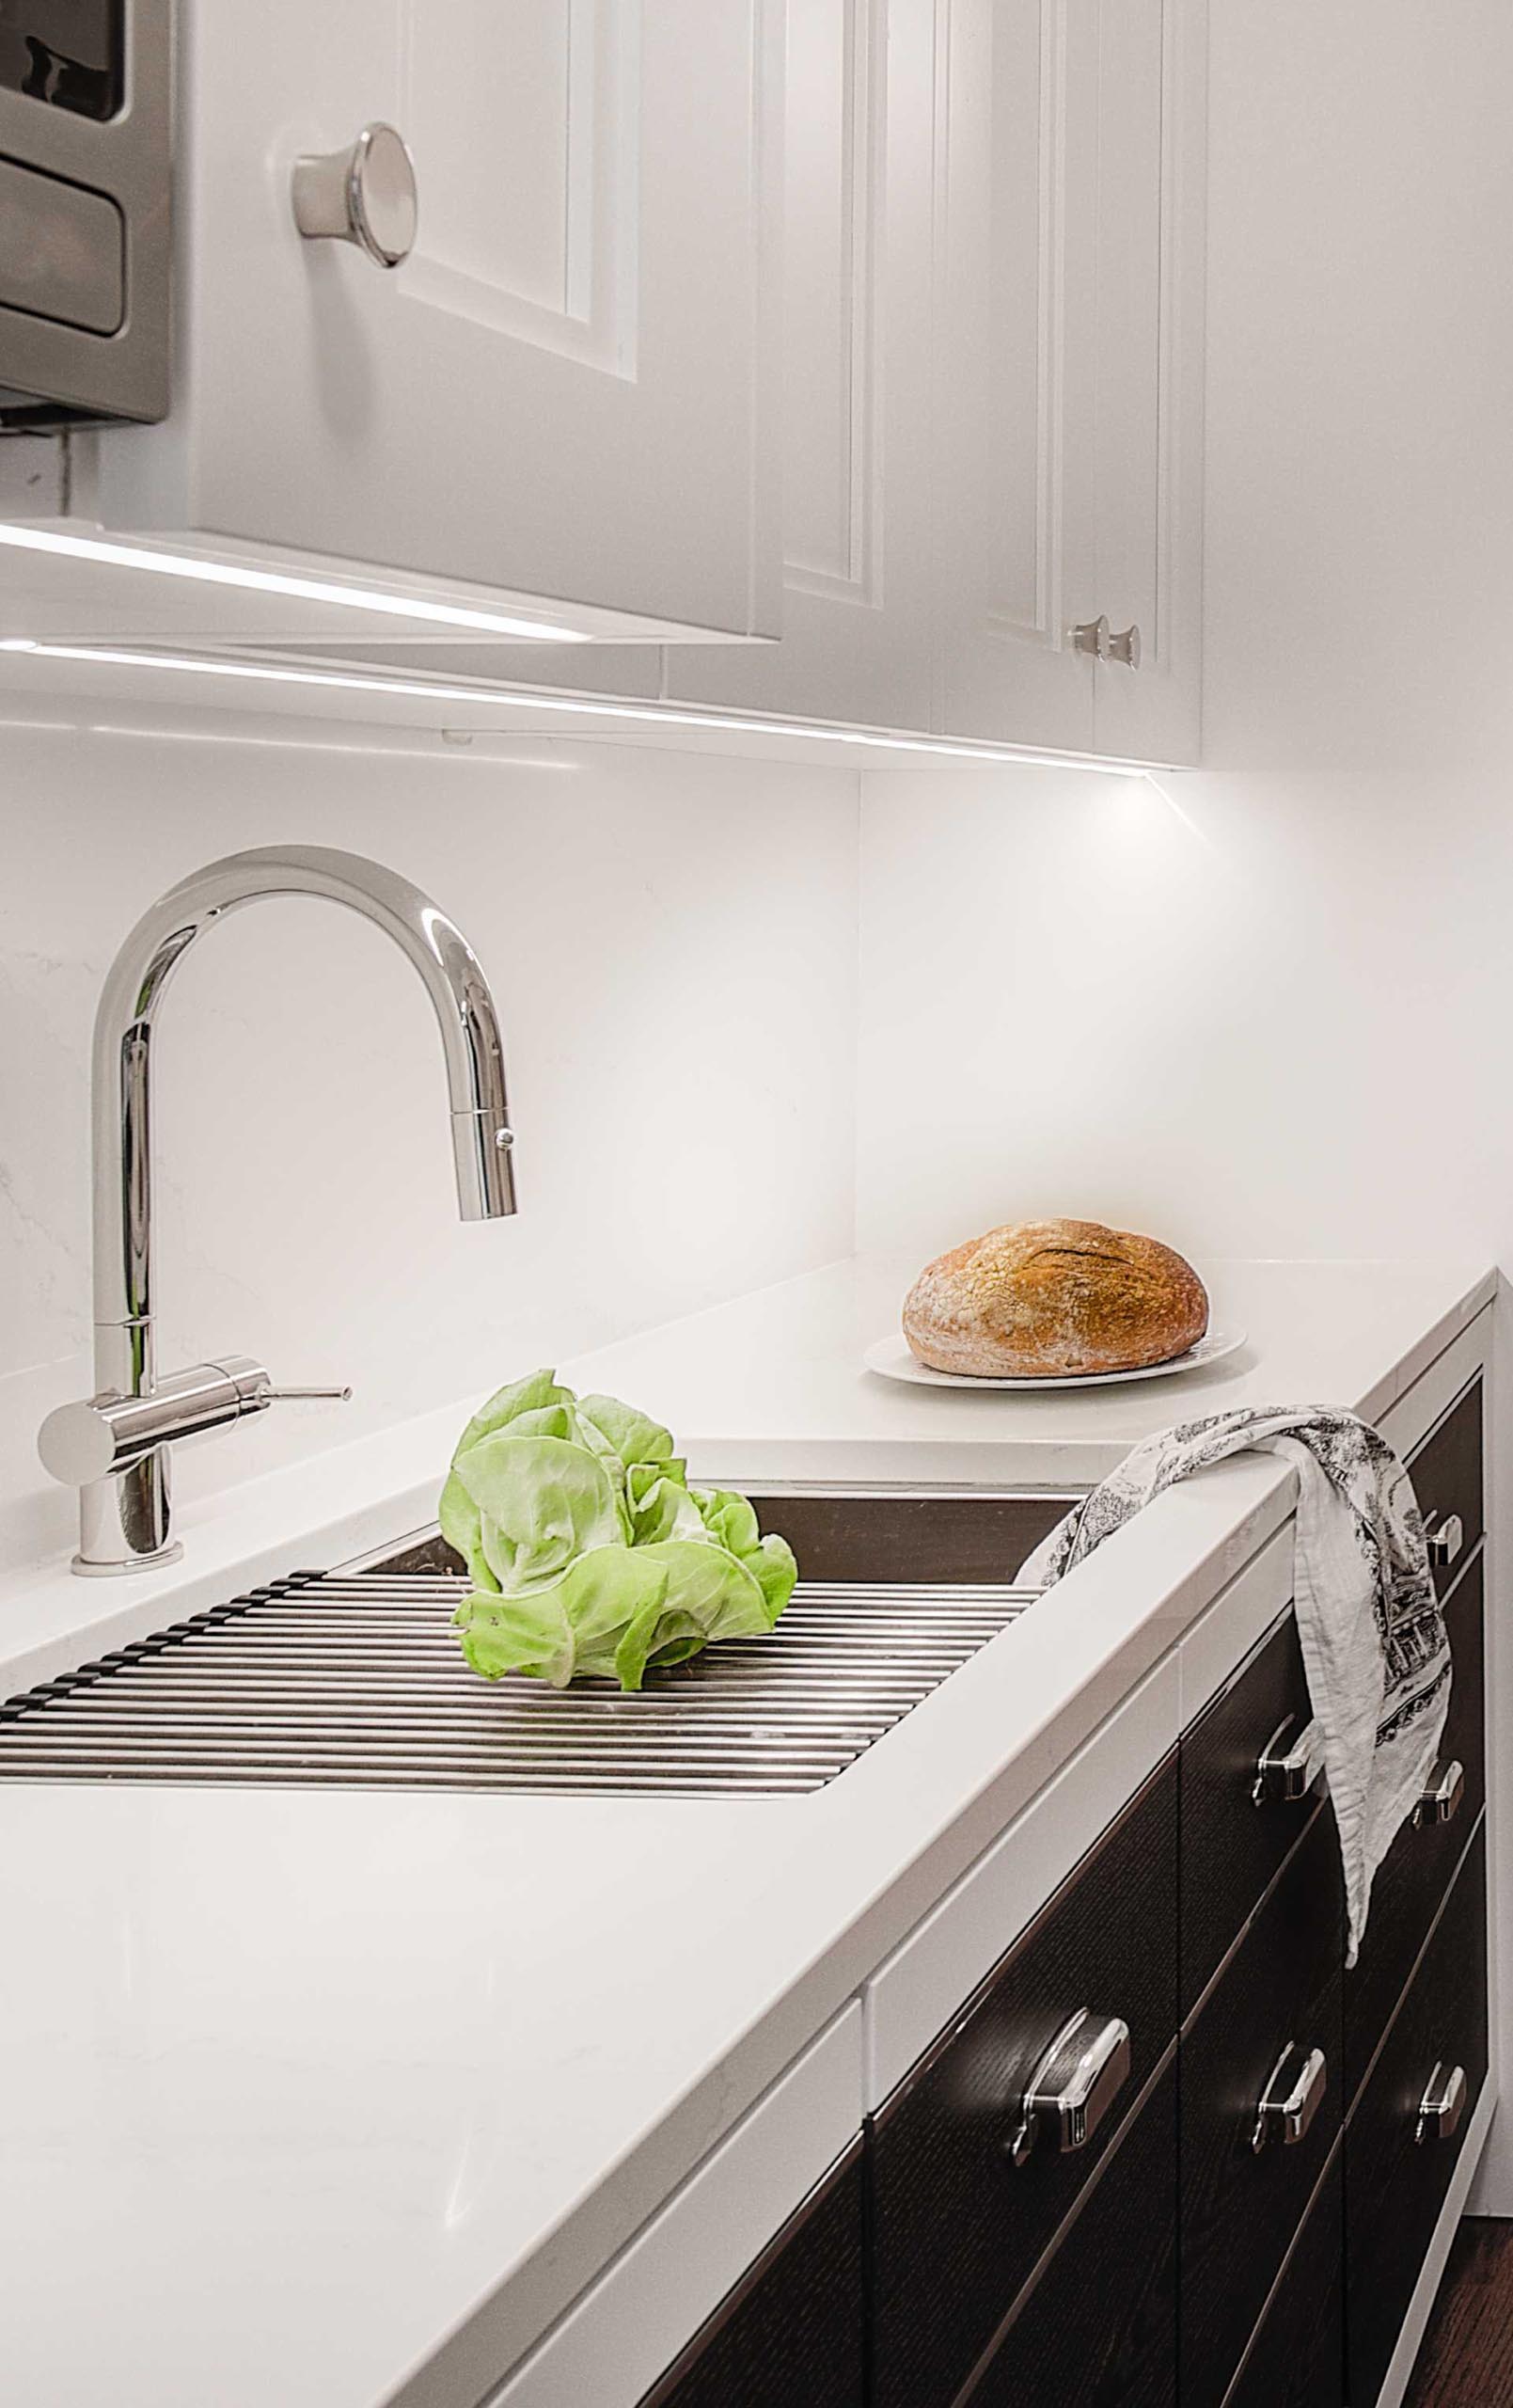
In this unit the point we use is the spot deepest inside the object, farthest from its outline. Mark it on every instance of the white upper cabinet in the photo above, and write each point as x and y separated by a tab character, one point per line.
993	374
562	392
1069	362
1148	372
1015	409
858	471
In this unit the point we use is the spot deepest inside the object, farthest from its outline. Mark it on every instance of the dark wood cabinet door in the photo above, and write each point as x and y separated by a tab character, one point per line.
957	2227
793	2330
1233	1842
1413	1875
1097	2329
1397	2167
1242	2204
1447	1475
1296	2358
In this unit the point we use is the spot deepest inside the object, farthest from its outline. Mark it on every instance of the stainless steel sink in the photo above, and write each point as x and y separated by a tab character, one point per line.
354	1678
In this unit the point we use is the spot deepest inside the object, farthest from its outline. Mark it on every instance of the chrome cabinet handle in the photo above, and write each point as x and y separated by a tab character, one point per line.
1283	1773
1286	2114
1442	2105
1092	637
1074	2084
108	1433
1440	1801
365	194
1124	647
1446	1541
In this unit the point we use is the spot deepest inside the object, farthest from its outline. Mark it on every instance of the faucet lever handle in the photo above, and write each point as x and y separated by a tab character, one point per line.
306	1396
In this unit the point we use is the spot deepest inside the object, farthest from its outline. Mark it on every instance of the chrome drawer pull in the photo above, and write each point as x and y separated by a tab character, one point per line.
1286	2115
1442	2105
1074	2084
1441	1800
1446	1541
1283	1773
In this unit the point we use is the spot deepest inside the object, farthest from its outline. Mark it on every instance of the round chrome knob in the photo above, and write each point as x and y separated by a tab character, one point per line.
364	195
1124	645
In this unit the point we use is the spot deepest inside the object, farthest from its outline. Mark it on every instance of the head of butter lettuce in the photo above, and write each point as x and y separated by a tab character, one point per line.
588	1551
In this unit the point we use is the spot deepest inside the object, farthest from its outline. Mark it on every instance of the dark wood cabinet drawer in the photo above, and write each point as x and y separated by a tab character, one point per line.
1242	2204
1411	1879
1396	2170
957	2227
1233	1842
1296	2358
1447	1479
794	2328
1098	2328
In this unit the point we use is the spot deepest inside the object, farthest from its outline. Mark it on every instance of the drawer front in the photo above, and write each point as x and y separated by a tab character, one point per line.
1447	1478
1395	2182
794	2328
1413	1877
1297	2359
958	2225
1098	2328
1240	2205
1233	1842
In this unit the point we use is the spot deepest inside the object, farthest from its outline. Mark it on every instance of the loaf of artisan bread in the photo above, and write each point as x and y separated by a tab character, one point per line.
1046	1299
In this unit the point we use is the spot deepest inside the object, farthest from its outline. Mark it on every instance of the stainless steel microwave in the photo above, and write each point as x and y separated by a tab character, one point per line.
85	142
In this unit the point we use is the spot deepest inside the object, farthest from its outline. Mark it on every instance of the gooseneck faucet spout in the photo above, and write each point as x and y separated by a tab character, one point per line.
116	1446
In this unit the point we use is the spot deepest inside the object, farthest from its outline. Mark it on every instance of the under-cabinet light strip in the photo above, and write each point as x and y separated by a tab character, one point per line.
643	714
262	580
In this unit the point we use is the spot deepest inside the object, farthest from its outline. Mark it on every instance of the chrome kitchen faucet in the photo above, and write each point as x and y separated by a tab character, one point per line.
114	1447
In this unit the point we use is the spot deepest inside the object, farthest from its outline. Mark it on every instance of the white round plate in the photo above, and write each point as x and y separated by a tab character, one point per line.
891	1358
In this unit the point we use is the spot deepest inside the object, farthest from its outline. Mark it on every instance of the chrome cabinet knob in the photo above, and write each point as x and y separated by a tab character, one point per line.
1441	1800
1285	1772
1124	646
365	194
1092	637
1446	1541
1442	2105
1074	2084
1291	2098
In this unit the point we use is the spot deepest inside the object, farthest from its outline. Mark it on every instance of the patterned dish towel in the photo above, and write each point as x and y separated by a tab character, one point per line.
1374	1642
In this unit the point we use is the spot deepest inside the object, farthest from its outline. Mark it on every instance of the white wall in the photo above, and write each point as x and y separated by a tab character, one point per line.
673	944
1270	1010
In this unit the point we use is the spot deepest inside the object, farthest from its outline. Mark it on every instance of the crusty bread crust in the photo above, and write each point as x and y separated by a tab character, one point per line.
1046	1299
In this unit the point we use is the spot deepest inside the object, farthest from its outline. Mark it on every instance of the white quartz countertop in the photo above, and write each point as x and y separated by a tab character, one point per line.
316	2100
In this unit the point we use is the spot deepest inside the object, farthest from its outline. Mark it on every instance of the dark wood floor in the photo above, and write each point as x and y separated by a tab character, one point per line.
1467	2357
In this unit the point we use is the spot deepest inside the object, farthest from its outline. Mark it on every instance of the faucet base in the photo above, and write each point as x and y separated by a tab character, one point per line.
92	1571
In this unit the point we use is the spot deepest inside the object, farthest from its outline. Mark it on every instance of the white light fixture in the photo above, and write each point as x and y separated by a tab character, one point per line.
262	580
643	714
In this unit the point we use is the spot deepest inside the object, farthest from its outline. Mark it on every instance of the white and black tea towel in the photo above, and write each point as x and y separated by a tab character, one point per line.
1374	1642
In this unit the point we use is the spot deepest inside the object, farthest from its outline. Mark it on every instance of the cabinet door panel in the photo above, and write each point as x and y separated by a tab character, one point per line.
957	2226
859	476
563	390
1146	347
1014	411
1241	2206
1395	2182
1413	1875
1297	2359
1098	2328
793	2330
1234	1845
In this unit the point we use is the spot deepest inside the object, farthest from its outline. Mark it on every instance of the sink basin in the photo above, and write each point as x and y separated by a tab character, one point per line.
354	1678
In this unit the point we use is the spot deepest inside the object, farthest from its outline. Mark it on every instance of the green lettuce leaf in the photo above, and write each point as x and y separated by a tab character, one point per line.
589	1554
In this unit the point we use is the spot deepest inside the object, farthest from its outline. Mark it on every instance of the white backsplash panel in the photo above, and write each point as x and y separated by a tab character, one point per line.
673	944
